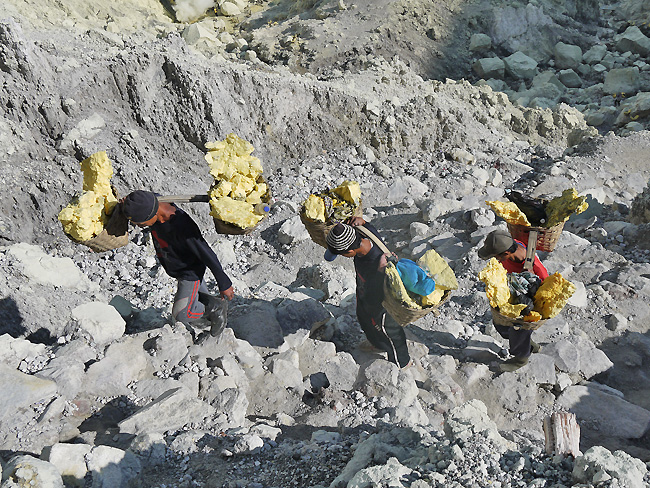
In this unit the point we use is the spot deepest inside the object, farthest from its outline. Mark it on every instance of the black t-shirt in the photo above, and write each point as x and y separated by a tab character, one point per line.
183	251
370	281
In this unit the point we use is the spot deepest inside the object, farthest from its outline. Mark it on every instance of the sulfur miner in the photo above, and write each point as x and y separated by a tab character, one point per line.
85	217
509	257
238	186
185	255
384	334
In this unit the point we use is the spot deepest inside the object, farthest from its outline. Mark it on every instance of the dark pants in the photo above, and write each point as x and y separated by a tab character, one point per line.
187	307
519	339
384	333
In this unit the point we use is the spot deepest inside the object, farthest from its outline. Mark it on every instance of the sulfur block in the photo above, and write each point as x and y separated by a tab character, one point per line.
433	298
234	212
436	266
553	295
350	191
561	208
315	208
509	212
495	277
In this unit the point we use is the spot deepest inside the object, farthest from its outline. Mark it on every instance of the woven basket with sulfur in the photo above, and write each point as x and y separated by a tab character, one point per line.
545	239
403	313
114	235
318	230
517	323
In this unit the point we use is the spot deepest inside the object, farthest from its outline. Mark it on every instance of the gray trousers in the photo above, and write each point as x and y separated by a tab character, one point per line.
187	306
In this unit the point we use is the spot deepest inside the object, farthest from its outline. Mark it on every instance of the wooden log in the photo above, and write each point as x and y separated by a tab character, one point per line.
562	434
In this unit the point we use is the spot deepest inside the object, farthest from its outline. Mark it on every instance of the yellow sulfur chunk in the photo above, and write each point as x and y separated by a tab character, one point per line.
561	208
552	295
511	310
85	216
509	212
436	266
231	156
350	191
234	212
433	298
495	277
315	208
97	170
397	288
222	189
242	186
532	317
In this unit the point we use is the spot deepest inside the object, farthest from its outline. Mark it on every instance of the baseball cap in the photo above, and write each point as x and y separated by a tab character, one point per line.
495	243
140	206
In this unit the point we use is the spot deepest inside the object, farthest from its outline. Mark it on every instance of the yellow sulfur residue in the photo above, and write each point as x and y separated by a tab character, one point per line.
234	212
238	184
509	212
553	295
561	208
85	217
397	288
315	208
350	191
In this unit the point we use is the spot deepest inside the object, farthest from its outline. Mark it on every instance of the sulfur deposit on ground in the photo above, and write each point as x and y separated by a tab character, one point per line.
85	217
434	108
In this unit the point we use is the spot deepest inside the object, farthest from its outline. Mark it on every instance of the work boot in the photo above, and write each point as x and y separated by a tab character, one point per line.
513	364
217	313
534	347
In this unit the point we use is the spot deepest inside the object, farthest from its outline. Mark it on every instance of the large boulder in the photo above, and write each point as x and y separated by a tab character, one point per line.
633	40
613	415
102	321
520	66
488	68
622	80
27	471
599	461
567	56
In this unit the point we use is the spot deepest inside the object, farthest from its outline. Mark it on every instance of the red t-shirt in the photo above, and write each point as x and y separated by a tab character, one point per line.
538	267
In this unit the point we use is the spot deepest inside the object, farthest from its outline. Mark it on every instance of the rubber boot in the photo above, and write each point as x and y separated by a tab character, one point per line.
218	316
513	364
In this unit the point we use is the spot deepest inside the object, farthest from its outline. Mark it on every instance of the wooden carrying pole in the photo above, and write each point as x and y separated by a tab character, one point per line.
203	197
530	250
562	434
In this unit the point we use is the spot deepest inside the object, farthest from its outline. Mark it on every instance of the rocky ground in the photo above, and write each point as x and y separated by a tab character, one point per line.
101	389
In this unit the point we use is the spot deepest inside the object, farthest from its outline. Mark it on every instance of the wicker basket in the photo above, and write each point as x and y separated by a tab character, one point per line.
223	227
499	319
404	315
114	235
546	238
318	230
